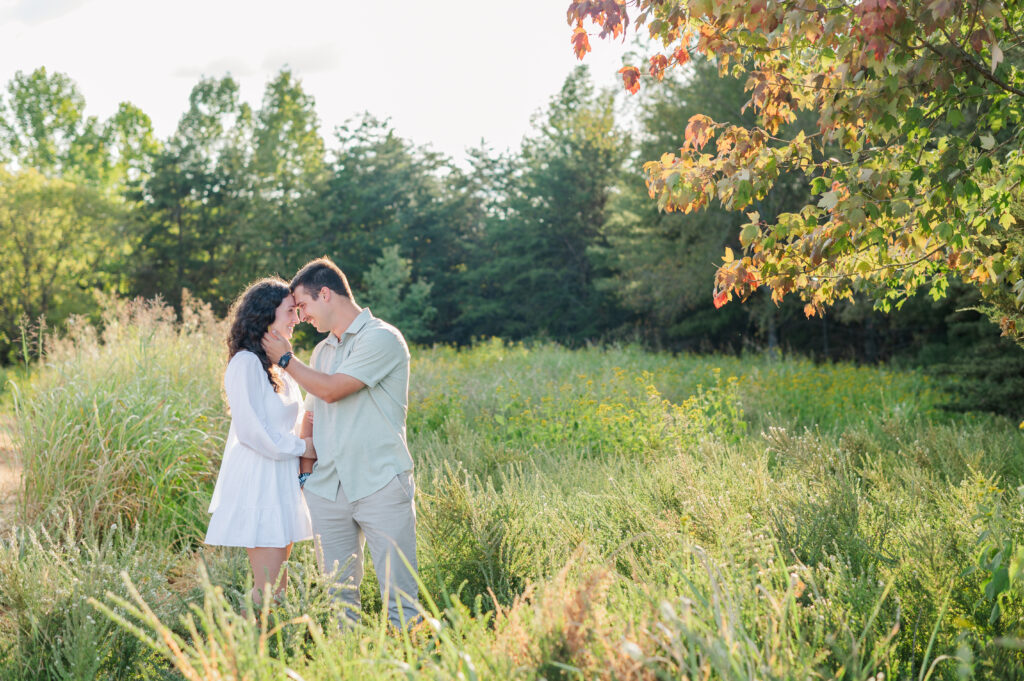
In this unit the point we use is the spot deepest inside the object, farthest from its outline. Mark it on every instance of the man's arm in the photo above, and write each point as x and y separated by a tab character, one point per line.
328	387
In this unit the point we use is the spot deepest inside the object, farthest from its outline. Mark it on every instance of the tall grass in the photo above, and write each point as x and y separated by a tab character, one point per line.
602	513
125	425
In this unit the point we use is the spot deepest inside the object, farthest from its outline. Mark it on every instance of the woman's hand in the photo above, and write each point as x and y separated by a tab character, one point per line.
308	458
310	452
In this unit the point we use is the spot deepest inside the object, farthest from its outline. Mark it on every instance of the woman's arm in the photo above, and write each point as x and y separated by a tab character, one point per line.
246	384
306	431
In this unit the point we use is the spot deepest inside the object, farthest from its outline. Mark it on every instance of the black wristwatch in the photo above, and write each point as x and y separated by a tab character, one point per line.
285	358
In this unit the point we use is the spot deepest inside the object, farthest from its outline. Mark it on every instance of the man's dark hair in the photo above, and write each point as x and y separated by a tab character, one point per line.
318	273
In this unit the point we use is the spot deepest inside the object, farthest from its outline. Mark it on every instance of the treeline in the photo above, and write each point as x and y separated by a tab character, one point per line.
558	239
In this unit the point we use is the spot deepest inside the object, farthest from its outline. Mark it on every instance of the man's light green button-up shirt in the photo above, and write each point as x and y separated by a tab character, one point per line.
360	439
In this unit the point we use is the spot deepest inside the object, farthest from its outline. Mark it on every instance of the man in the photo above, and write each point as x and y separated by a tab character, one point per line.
361	489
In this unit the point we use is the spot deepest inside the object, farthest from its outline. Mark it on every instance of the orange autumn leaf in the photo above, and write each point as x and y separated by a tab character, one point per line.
720	299
631	78
580	42
659	63
698	131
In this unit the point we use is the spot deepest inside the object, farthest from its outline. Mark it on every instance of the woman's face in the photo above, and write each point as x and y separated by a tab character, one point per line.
285	318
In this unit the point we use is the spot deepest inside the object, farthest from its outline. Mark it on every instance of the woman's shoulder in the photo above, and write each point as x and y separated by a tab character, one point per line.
243	358
242	363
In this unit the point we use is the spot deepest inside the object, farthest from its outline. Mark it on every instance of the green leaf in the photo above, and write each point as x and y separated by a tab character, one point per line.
994	615
828	200
999	583
742	194
1016	572
749	232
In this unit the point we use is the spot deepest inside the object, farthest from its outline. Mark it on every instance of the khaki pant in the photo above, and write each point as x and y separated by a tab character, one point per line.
387	521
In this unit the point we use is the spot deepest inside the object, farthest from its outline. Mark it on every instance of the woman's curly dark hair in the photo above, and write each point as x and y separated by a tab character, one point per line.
251	315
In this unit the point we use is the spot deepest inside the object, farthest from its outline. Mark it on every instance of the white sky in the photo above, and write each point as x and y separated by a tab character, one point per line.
447	72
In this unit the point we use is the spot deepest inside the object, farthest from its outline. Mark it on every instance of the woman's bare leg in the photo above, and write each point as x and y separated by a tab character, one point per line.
266	569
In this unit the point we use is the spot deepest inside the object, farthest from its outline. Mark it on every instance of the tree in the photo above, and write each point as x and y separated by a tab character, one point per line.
129	136
384	191
194	200
286	217
916	161
43	121
54	237
43	126
662	263
533	270
396	298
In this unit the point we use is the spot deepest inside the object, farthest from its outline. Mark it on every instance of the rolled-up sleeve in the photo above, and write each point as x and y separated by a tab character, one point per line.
246	384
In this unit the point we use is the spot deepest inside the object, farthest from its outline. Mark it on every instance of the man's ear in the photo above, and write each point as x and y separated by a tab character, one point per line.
325	293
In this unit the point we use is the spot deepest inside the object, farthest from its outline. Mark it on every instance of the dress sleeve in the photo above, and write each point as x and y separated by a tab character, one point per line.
246	383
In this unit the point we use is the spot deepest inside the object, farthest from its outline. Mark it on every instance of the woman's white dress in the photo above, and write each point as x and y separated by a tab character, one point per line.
257	501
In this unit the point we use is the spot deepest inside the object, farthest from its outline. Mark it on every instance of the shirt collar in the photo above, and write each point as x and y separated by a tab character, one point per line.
358	323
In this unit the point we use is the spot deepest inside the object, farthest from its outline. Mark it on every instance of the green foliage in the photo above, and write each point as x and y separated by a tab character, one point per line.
395	298
214	640
915	163
43	126
531	273
557	239
282	222
999	559
661	263
46	580
55	240
385	191
192	202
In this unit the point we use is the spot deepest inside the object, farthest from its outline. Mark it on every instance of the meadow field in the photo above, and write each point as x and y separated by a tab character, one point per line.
601	513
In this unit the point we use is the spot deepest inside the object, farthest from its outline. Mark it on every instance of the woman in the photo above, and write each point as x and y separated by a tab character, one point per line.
257	503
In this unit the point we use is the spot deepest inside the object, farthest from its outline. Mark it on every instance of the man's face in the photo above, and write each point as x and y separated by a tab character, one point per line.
311	309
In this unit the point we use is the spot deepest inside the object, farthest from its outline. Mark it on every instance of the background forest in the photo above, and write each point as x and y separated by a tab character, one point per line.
557	240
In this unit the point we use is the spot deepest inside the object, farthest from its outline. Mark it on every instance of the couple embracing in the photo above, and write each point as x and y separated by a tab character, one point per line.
335	467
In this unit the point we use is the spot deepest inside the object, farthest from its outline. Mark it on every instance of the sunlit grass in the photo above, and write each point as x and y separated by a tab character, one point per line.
599	513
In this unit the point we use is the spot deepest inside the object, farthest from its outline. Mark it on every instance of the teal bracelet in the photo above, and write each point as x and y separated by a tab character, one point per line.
302	479
285	358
